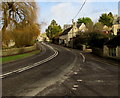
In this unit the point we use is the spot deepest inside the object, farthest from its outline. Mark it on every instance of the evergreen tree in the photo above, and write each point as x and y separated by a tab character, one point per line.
53	30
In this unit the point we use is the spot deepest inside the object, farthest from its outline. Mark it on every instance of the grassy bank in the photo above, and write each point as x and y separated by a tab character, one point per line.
16	57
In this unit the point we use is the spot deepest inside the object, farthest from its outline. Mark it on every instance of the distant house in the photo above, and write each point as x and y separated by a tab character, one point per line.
64	36
106	29
42	37
112	47
71	32
66	26
11	43
116	26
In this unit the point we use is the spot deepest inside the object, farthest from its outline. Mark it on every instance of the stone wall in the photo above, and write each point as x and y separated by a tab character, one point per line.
105	51
118	51
115	28
14	51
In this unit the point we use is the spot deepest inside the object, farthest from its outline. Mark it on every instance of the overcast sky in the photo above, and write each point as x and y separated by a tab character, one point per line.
63	12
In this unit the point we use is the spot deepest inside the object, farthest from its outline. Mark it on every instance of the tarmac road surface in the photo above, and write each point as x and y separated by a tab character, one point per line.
59	71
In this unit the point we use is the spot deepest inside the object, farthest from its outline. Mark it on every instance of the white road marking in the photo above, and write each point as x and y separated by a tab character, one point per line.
83	57
75	86
74	89
68	49
80	54
100	68
33	65
99	81
79	80
75	73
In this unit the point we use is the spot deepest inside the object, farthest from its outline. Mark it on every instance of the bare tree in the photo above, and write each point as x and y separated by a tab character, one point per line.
17	15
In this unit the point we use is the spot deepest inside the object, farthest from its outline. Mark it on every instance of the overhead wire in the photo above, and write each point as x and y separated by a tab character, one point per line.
79	10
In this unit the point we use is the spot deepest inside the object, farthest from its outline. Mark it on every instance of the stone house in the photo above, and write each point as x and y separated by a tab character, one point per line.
10	44
42	37
112	47
72	32
63	37
106	29
116	26
66	26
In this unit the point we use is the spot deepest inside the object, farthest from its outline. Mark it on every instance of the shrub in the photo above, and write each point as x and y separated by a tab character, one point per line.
92	39
79	40
25	36
6	37
97	39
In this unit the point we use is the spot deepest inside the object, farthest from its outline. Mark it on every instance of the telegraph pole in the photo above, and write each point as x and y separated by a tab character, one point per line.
72	33
119	9
119	17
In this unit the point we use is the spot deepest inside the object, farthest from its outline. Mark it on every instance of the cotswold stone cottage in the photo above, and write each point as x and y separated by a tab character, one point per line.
112	47
116	26
71	32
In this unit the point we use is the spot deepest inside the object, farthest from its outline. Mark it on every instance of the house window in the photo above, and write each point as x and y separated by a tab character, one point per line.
112	51
118	31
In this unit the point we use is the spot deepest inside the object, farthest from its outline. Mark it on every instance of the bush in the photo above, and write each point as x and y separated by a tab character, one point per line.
25	36
6	37
97	39
91	39
97	51
80	40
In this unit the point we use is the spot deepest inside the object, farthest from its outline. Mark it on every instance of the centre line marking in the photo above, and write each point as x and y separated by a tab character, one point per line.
83	57
33	65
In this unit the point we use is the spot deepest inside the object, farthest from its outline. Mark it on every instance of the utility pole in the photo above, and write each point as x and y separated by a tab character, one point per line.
119	16
72	33
119	9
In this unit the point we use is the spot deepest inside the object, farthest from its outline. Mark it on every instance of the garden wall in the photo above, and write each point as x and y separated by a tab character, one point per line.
105	53
14	51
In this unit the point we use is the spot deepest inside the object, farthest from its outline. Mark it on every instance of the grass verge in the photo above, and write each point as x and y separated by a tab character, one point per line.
17	57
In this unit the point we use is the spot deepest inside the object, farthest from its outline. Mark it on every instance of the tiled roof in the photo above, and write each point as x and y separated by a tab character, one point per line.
117	21
66	31
78	25
114	42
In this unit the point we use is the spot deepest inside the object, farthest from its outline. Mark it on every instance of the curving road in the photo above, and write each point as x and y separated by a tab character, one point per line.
33	76
31	81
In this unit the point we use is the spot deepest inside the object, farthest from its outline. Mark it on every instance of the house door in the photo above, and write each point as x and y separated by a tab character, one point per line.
118	31
112	51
